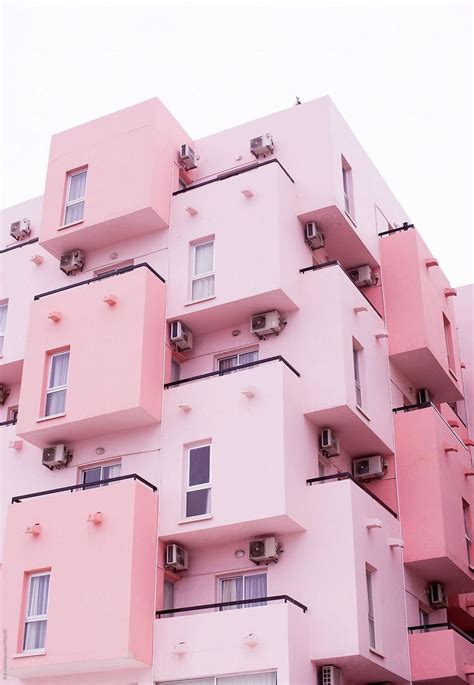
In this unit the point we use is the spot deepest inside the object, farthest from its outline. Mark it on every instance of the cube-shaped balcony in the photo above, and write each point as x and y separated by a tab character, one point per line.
441	653
113	328
130	159
420	316
436	495
98	546
250	217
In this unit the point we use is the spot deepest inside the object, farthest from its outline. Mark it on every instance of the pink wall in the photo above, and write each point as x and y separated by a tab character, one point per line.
440	657
464	306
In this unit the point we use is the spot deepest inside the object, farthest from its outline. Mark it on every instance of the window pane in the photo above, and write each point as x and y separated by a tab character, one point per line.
38	596
168	596
203	258
231	591
248	357
35	635
255	587
198	502
228	363
3	317
77	186
111	471
74	212
55	402
59	367
91	476
248	679
199	465
203	287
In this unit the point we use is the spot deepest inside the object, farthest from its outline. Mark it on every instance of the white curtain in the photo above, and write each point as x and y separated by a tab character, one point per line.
228	363
248	679
248	357
111	471
74	213
3	317
59	367
231	591
255	587
203	287
77	186
38	596
35	635
192	681
203	258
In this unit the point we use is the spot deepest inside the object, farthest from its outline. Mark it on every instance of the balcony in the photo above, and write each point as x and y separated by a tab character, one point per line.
420	316
432	463
124	197
253	231
251	639
113	327
441	653
100	545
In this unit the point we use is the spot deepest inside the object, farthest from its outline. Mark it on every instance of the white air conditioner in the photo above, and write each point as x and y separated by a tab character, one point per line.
57	456
313	237
4	392
261	146
176	558
180	336
330	675
423	396
187	157
328	443
367	468
361	276
72	262
437	595
20	229
263	550
266	323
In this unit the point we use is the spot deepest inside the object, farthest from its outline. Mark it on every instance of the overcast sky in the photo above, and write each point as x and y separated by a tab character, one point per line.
401	74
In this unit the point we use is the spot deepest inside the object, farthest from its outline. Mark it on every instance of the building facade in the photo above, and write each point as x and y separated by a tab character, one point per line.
236	392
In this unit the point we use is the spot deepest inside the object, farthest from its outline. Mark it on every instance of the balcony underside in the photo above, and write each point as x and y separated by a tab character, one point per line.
361	669
443	570
424	370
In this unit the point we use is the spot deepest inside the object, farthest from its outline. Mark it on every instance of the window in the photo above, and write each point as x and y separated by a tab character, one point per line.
449	343
75	196
100	472
322	468
175	374
370	607
112	268
57	379
198	492
424	618
268	678
248	586
168	596
357	353
226	363
36	615
3	323
203	271
13	414
467	530
347	187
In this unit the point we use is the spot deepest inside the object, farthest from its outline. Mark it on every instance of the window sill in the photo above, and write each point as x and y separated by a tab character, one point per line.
191	519
73	223
204	299
361	411
31	652
49	418
376	652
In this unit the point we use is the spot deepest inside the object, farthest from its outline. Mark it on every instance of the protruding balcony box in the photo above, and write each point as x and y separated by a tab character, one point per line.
336	318
431	465
441	656
101	597
461	611
130	157
116	358
420	316
251	235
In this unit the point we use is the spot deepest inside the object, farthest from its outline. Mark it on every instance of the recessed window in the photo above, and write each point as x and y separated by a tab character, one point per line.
75	196
467	530
57	380
3	323
357	359
168	597
369	575
100	472
448	336
198	490
112	268
424	618
203	271
347	188
36	614
228	363
245	586
175	373
13	414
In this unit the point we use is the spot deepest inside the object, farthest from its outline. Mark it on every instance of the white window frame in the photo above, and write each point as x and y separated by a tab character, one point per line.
101	466
3	305
207	274
234	355
36	618
244	575
199	486
58	388
369	577
219	679
422	613
70	203
356	357
466	512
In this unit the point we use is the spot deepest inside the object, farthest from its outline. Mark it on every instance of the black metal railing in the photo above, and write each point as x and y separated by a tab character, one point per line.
85	486
404	227
23	243
10	422
335	262
412	407
220	606
345	475
433	627
239	367
233	172
101	277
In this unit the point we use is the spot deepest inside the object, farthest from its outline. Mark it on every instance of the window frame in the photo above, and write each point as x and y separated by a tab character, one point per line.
199	486
422	613
197	277
243	575
466	511
70	203
35	618
3	305
369	579
232	355
357	368
347	188
58	388
99	465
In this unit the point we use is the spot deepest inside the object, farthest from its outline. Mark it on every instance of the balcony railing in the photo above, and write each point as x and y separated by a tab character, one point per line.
348	476
404	227
10	422
19	244
85	486
239	367
431	627
220	606
427	405
101	277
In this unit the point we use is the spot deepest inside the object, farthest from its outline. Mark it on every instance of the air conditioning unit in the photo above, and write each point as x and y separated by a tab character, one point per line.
423	396
313	237
437	596
266	324
187	157
20	229
361	276
4	392
328	443
72	262
180	336
263	550
176	558
57	456
331	675
261	146
368	468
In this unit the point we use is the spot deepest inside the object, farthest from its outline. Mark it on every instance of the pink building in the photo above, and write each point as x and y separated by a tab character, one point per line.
236	408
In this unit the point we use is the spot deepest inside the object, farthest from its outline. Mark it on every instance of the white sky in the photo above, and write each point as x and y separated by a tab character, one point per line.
401	74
